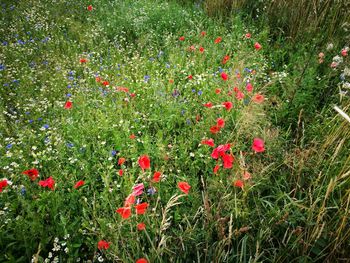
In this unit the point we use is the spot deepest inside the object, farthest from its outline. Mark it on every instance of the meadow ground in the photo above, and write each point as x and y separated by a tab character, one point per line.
147	131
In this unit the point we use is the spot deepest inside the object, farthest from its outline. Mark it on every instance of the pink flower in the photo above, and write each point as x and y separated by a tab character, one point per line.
248	35
138	189
249	87
258	145
344	52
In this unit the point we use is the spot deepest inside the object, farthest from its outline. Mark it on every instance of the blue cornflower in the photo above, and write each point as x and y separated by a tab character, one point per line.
2	67
151	191
69	95
9	146
146	78
40	119
69	86
113	152
70	145
200	92
46	126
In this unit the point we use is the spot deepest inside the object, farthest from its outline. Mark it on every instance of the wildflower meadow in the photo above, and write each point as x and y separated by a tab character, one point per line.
171	131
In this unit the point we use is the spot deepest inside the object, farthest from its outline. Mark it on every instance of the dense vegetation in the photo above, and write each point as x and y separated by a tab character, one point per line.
174	131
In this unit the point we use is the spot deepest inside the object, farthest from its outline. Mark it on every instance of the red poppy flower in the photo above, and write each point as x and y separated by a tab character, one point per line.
141	260
239	184
68	105
121	161
224	76
248	35
129	201
216	169
203	33
141	226
228	105
190	77
258	98
182	38
49	183
105	83
208	105
225	59
209	142
32	173
220	150
258	145
201	49
239	95
141	208
102	244
184	187
89	8
246	176
228	160
215	129
156	177
83	60
123	89
98	79
79	183
121	172
257	46
217	91
132	136
235	89
144	162
220	123
217	40
3	184
125	212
